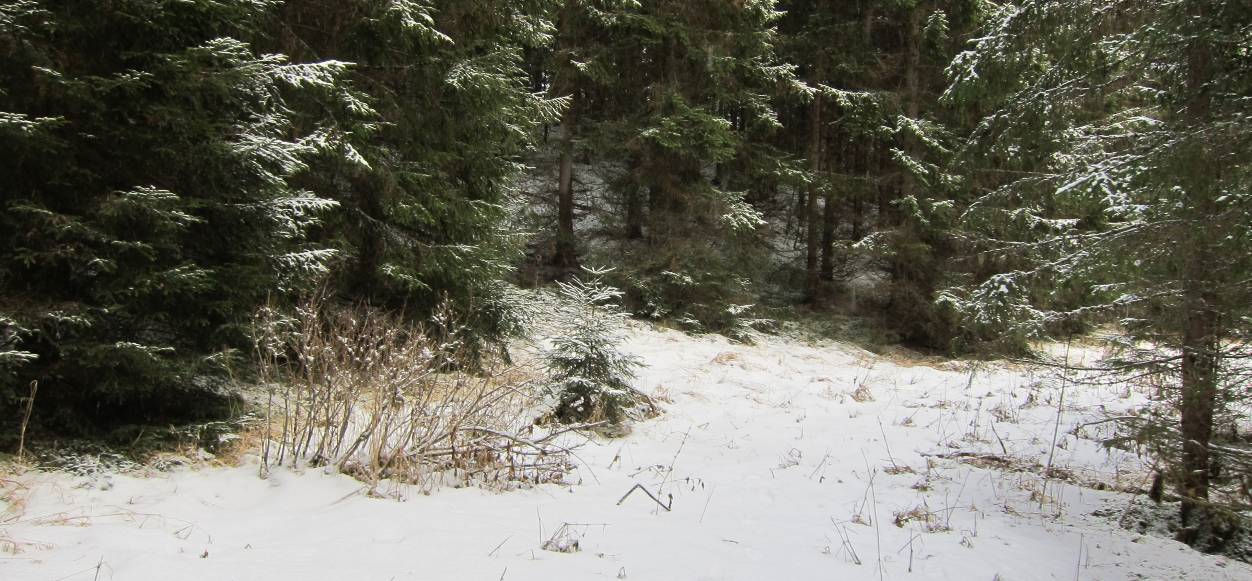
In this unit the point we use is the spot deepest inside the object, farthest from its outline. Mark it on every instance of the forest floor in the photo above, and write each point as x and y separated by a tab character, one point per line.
781	460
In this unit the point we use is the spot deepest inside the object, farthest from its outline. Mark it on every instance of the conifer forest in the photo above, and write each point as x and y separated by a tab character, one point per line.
419	289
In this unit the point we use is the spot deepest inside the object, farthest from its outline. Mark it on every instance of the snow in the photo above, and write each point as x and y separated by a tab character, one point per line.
782	459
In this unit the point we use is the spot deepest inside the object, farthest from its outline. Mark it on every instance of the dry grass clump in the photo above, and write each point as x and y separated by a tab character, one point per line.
365	393
13	495
896	470
862	394
12	499
926	518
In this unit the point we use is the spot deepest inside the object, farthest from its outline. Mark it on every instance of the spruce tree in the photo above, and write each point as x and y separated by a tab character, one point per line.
690	113
580	68
590	374
424	194
1120	131
148	152
918	243
876	144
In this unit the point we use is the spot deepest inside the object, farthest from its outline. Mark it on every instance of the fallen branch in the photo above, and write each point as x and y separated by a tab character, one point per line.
978	455
571	428
663	505
543	445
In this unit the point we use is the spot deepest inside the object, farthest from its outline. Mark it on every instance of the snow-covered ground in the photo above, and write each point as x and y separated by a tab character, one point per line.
783	460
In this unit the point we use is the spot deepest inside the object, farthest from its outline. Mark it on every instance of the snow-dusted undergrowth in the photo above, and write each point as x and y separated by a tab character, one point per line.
778	461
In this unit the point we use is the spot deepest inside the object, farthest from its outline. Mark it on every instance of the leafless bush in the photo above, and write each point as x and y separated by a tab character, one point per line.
371	395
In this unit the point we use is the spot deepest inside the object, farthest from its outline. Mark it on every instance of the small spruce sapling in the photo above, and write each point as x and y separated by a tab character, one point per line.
590	375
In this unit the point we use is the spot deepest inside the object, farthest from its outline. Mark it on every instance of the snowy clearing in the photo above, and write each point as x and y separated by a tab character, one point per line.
783	461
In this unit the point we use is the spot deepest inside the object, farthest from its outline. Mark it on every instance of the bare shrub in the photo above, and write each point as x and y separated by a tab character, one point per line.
371	395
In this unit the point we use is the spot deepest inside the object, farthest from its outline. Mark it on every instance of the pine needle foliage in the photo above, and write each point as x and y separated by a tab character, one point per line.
148	156
590	375
678	100
433	151
1120	132
876	144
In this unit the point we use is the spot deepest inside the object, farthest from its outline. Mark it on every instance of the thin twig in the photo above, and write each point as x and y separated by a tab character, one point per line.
1056	430
30	406
999	439
663	505
874	497
886	445
706	504
493	551
670	471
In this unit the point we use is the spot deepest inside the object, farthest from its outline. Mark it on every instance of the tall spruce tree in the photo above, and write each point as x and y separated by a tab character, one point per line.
1121	133
423	194
919	196
146	162
692	113
876	148
836	126
578	66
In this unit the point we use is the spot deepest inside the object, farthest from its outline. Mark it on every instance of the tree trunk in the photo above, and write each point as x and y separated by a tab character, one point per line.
1201	339
566	256
1199	398
634	214
828	237
633	199
812	287
885	195
371	247
858	219
867	27
912	69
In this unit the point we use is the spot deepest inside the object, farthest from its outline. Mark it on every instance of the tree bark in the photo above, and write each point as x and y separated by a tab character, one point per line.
829	222
913	67
1199	398
812	287
566	255
858	219
1201	335
633	199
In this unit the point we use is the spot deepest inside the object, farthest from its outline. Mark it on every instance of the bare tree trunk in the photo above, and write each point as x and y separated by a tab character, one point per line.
1199	398
566	256
371	246
634	214
829	222
634	202
812	287
1201	332
867	26
858	219
914	62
